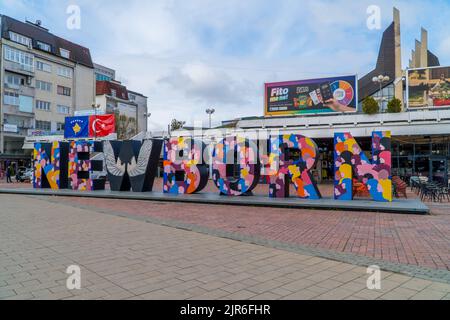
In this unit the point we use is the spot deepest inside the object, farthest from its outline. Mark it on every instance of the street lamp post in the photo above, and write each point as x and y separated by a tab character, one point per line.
210	113
380	80
147	116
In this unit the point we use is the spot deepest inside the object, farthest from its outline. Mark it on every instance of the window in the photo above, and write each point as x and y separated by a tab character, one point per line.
44	86
132	97
23	58
102	77
113	93
25	104
11	98
14	81
386	94
18	38
59	126
64	53
63	109
64	91
42	66
42	105
44	46
43	125
65	72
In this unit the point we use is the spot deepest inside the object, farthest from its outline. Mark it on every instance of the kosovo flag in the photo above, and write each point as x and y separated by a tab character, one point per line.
76	127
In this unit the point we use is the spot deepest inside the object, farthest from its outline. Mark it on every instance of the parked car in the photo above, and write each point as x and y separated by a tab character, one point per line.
25	174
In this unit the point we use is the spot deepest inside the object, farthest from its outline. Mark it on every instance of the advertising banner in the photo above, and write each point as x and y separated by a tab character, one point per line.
326	95
126	121
428	87
10	128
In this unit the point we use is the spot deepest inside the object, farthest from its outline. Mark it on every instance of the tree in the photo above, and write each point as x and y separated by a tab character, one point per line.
394	106
176	125
370	106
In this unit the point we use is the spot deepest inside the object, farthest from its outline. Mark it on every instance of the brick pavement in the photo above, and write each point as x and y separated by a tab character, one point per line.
121	258
422	241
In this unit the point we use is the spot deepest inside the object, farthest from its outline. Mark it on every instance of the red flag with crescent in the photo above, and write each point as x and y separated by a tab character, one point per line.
101	126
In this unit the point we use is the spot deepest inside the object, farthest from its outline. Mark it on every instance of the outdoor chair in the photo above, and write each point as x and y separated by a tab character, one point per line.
399	187
360	189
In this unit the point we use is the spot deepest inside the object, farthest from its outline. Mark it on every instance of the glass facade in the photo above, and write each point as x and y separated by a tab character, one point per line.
421	158
386	95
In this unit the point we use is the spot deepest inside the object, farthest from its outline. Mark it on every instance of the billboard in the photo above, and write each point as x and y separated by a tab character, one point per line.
126	121
326	95
428	87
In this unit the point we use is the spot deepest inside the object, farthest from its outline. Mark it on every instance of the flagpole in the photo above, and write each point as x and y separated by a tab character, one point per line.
95	107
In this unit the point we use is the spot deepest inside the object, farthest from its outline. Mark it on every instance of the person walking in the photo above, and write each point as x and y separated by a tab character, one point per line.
8	174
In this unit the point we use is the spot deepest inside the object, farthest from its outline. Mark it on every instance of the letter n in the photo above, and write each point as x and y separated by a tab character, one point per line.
350	162
292	157
50	165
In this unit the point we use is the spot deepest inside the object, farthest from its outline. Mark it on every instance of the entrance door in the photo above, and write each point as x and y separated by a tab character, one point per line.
439	169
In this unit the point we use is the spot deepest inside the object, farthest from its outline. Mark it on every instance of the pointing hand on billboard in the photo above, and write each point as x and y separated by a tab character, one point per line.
334	105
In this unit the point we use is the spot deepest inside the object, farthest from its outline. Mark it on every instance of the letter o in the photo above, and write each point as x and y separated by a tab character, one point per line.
224	155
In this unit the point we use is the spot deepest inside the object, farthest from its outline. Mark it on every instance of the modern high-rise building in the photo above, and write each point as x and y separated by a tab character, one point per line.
44	78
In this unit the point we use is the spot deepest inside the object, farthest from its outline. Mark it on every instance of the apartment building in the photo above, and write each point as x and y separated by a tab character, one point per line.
103	73
142	110
112	97
44	78
129	106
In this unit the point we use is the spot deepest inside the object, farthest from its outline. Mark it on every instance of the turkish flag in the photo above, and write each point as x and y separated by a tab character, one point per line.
101	126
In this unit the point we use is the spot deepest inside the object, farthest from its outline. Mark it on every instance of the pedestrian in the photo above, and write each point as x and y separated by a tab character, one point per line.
8	174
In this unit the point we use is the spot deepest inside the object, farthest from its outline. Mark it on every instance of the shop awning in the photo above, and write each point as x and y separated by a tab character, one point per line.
28	146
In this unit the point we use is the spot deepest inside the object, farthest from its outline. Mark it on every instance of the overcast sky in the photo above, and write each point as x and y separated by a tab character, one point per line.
187	56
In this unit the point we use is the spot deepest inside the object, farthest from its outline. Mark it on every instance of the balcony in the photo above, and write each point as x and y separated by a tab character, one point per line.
22	132
18	68
22	90
14	111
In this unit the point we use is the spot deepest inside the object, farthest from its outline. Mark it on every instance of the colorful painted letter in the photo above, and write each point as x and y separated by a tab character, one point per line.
48	168
293	156
351	161
184	170
81	166
224	165
132	164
